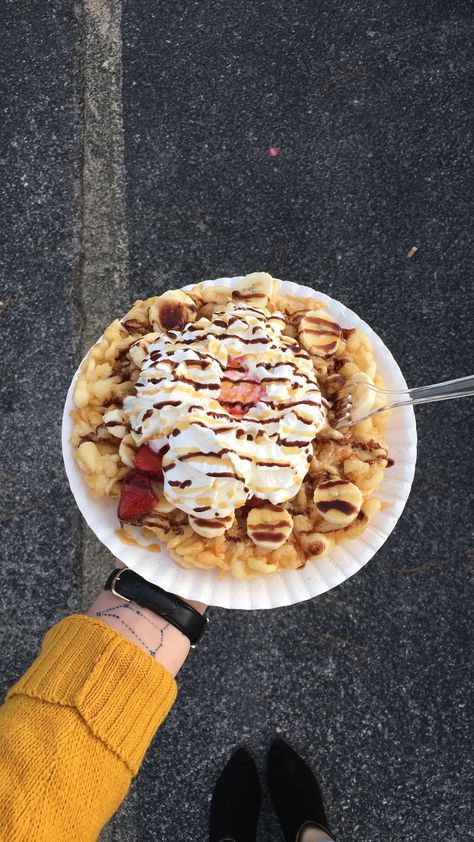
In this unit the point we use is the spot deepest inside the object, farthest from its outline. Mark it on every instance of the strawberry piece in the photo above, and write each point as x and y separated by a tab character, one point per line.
243	392
148	461
235	409
236	362
137	497
238	393
236	368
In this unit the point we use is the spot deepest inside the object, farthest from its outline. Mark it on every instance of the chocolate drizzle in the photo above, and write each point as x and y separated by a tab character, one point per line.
196	384
225	474
339	505
162	404
197	453
272	464
286	375
332	483
199	363
267	536
212	523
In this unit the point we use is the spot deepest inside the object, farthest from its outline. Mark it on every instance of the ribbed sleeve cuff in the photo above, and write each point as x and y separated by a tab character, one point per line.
121	692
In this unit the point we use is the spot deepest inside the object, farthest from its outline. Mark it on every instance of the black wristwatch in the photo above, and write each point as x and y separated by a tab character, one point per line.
128	585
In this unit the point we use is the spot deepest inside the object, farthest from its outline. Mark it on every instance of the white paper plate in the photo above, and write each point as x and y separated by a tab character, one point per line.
290	586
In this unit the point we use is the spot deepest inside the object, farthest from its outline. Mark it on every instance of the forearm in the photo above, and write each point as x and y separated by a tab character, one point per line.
144	629
74	729
57	780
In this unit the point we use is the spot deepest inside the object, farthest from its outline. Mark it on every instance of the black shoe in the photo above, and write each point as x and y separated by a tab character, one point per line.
236	801
294	791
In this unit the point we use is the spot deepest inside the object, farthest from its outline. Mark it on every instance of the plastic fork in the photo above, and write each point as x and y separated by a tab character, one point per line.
344	413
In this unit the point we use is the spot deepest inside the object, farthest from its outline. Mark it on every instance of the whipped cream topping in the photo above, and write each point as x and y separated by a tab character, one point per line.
216	461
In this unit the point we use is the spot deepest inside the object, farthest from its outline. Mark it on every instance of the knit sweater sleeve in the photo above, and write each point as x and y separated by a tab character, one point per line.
73	732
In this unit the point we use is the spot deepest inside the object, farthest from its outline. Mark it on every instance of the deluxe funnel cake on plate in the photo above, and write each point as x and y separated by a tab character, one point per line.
207	414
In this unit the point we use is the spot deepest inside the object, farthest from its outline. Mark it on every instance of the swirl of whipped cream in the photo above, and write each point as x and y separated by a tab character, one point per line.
216	461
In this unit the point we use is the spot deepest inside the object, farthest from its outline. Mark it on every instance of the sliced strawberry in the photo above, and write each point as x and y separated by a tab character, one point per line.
242	392
148	461
236	368
238	392
235	409
236	362
137	497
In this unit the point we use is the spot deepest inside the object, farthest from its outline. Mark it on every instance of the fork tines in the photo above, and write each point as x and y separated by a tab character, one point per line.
341	411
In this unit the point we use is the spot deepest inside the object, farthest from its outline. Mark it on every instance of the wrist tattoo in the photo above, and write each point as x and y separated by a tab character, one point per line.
117	611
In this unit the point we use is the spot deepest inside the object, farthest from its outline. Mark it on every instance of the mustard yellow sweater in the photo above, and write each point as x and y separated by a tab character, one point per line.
73	732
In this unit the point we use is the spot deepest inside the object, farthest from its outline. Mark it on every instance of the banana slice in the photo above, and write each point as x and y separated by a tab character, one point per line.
363	397
116	423
269	526
138	351
172	310
255	289
276	285
127	450
211	527
157	522
338	501
163	506
333	384
215	294
319	333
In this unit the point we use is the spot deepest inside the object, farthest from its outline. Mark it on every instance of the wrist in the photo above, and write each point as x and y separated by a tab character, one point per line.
145	629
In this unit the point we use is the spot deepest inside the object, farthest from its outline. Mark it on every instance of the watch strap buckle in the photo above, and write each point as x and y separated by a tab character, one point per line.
114	582
198	638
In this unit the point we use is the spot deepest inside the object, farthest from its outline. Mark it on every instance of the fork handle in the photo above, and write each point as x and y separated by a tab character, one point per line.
462	387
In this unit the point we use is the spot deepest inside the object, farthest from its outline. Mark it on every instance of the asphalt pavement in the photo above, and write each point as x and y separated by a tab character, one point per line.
133	158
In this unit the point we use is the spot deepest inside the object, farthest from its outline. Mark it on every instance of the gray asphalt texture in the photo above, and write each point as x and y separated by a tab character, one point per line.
369	104
39	274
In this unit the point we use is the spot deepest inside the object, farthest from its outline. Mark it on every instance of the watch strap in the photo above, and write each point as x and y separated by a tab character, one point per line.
129	586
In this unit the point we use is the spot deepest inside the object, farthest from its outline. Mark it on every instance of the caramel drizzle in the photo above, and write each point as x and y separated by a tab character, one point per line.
128	539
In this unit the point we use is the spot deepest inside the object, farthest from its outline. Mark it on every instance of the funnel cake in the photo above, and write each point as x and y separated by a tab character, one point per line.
207	413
